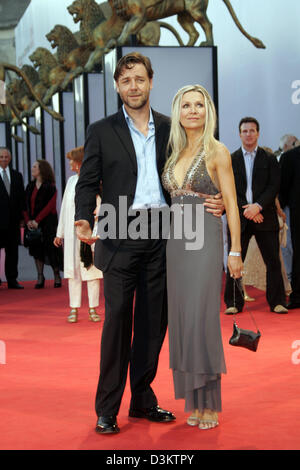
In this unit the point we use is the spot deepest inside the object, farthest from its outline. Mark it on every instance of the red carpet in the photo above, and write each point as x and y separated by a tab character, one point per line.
48	383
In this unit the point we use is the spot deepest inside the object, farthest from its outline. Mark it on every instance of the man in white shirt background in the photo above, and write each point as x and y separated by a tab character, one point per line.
257	180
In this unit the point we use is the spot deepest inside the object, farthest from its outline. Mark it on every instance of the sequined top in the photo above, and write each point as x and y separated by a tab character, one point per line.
197	181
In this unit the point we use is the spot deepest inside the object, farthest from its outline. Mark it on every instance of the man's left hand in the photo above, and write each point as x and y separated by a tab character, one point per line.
251	210
215	205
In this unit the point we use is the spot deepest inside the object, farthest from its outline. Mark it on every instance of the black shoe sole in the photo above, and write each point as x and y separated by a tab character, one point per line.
100	430
140	414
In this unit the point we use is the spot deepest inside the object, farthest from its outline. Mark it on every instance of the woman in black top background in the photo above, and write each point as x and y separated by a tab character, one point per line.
41	194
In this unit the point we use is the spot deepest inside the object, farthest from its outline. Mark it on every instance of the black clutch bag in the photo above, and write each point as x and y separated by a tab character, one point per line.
86	255
244	338
32	237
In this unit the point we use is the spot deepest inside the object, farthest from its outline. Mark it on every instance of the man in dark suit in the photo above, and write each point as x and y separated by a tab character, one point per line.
11	207
127	153
290	196
257	179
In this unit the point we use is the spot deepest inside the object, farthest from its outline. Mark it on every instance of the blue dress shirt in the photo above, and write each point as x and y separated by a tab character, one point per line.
249	158
148	192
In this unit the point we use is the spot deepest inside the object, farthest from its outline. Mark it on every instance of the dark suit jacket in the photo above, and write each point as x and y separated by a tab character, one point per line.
290	179
110	158
265	187
11	207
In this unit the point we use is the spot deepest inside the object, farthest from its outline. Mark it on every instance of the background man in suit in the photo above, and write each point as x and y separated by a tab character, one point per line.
290	196
257	179
287	142
127	153
11	207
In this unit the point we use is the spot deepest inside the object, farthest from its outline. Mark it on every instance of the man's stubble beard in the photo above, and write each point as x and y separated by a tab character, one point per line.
139	105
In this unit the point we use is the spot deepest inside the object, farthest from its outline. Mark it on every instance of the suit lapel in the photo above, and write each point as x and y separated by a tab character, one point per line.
3	188
13	183
241	167
123	132
121	128
257	162
159	138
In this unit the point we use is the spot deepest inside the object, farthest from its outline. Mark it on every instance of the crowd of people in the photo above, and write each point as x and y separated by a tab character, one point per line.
35	209
151	282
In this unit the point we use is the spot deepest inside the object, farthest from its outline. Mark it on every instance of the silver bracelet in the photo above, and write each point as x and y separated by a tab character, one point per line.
234	253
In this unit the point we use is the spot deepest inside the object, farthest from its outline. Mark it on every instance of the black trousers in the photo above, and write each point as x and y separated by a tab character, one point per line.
9	240
268	244
295	235
137	269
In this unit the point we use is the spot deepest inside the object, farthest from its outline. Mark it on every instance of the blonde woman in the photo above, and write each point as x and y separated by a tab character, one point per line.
198	166
74	269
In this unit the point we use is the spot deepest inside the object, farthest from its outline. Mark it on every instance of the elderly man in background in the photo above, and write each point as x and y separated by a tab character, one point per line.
289	196
11	208
287	142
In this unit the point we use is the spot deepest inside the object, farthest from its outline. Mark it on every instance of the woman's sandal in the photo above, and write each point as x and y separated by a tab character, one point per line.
247	298
208	423
93	315
193	420
72	318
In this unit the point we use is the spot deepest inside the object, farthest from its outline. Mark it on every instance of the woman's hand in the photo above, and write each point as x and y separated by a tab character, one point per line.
32	224
282	215
235	266
57	242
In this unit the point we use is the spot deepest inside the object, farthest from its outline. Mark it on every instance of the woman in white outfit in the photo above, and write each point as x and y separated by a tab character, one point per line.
74	269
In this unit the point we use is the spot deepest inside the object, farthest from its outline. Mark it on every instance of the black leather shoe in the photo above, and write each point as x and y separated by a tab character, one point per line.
57	282
14	285
41	282
292	305
153	414
107	425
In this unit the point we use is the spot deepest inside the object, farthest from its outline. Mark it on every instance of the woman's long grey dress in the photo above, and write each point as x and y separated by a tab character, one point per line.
194	278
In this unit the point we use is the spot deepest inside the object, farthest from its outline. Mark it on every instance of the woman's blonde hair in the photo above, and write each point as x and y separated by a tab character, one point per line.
177	140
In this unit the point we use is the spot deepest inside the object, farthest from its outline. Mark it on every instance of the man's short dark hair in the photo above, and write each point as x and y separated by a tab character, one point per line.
129	60
249	119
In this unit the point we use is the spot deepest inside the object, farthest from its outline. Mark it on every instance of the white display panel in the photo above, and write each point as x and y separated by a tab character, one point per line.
58	150
2	134
96	96
111	97
79	109
39	138
69	128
